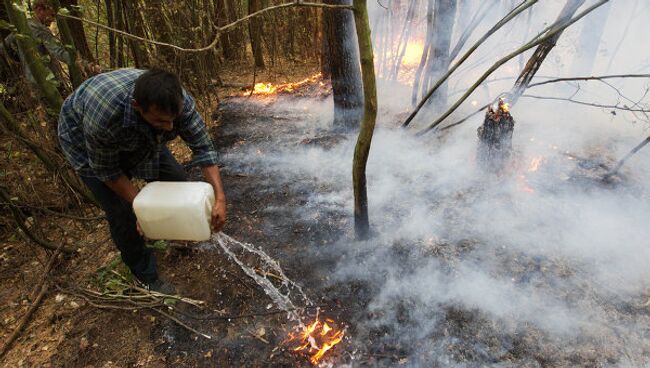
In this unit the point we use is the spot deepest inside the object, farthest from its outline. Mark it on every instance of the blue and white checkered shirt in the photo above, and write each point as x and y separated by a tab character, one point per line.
102	135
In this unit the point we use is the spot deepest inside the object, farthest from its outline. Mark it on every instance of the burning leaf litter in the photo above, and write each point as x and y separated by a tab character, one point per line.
270	89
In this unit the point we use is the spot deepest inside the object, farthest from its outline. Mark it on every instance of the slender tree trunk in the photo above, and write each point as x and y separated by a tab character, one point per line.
77	30
343	59
133	24
76	76
255	30
593	27
362	149
443	28
425	54
111	35
542	51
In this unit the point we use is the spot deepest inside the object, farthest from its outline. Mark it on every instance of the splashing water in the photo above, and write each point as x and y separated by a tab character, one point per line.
268	267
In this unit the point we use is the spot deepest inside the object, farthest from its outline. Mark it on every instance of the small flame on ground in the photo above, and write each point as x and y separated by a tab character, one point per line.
316	339
267	89
534	164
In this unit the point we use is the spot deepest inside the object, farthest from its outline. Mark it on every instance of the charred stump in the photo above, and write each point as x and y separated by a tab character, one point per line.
495	138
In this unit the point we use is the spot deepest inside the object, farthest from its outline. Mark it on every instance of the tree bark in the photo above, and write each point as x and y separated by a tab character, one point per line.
542	51
345	72
443	27
76	76
590	37
362	148
255	29
77	30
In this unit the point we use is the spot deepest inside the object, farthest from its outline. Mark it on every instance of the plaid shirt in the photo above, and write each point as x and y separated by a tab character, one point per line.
102	135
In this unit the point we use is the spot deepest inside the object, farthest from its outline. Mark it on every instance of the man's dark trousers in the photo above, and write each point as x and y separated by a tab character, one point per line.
122	221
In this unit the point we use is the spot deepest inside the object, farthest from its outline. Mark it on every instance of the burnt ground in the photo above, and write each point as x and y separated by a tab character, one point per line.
265	209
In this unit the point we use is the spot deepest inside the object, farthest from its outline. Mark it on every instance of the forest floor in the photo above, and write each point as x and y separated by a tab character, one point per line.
267	208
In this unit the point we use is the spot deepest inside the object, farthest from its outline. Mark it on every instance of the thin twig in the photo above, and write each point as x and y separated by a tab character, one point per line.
584	103
600	77
182	324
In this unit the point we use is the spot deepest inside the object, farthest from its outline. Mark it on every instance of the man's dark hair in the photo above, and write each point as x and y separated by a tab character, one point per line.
160	88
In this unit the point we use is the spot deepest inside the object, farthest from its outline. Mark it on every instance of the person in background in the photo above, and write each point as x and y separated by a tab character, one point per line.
114	127
48	45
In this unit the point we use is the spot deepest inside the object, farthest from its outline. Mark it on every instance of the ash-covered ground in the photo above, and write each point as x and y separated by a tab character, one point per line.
542	266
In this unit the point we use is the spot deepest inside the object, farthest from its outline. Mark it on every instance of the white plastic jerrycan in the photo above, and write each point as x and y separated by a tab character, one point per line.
175	210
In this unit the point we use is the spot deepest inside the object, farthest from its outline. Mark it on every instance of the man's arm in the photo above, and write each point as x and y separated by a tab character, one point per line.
211	174
123	187
192	129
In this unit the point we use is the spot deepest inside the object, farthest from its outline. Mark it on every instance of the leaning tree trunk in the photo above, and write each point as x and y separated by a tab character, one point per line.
345	72
542	51
255	29
27	47
362	148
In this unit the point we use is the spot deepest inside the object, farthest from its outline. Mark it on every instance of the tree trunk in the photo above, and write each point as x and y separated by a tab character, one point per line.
542	51
343	56
425	53
362	148
133	24
593	27
443	27
76	76
27	47
255	29
111	35
77	30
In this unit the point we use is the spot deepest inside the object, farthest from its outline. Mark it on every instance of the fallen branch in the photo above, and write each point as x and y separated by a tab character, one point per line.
42	288
219	30
618	166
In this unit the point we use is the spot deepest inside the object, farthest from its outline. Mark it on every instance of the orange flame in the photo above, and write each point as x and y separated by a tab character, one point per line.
316	339
534	164
504	106
267	89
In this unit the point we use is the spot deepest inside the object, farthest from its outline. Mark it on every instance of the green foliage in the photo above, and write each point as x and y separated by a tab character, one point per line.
158	245
113	277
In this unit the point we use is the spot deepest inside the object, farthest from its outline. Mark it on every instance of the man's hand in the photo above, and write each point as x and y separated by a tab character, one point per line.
211	174
219	215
